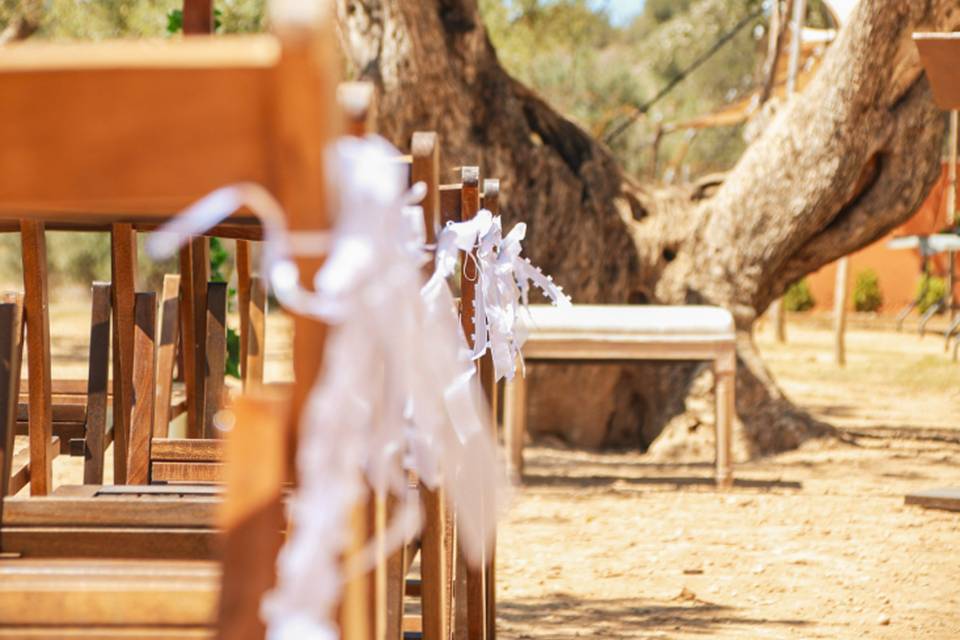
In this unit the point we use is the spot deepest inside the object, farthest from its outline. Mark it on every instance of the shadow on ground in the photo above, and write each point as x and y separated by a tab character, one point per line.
561	616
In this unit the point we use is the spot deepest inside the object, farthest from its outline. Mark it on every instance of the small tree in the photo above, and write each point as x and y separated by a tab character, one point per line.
930	291
798	297
866	291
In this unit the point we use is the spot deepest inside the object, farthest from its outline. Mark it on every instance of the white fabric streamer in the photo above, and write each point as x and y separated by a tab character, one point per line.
396	389
504	280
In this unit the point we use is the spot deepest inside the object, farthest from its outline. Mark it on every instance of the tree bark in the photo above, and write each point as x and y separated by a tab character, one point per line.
839	166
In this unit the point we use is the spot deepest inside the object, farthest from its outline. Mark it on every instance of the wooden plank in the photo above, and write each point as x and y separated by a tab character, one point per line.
98	372
189	310
433	566
67	410
106	632
491	202
11	348
200	274
59	102
946	498
34	246
123	276
187	450
469	205
198	512
110	542
187	472
255	356
242	259
302	122
61	387
144	388
450	206
169	324
151	491
252	512
20	474
107	592
216	355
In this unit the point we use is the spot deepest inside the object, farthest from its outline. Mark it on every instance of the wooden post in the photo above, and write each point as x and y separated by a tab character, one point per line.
144	388
435	568
197	16
256	323
166	352
301	122
491	202
124	261
40	383
840	311
97	379
470	204
11	349
244	284
215	354
725	370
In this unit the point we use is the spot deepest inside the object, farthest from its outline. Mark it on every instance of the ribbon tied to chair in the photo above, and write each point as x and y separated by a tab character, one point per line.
396	389
504	279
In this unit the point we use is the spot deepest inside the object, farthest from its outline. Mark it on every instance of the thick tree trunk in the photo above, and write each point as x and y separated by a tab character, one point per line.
838	167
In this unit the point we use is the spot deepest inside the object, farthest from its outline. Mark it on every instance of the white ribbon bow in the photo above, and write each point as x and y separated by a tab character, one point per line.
504	280
396	389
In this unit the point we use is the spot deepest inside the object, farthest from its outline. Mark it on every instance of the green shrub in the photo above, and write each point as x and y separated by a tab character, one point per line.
798	297
866	291
930	290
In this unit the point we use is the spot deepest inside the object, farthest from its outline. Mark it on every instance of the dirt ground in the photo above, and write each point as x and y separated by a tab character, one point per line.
815	543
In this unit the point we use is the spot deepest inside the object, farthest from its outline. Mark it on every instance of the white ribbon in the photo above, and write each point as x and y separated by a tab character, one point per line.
503	285
396	389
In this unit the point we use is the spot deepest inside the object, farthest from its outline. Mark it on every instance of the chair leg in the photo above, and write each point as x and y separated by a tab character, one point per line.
726	373
38	355
97	374
11	351
194	273
144	389
433	569
215	354
244	285
515	424
124	261
169	324
255	344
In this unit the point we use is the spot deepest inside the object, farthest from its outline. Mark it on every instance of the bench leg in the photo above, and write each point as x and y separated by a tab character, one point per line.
725	370
515	423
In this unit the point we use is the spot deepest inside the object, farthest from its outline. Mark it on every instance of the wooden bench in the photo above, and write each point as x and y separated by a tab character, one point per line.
617	333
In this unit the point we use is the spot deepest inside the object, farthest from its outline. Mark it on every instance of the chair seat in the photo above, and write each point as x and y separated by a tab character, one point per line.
114	593
630	322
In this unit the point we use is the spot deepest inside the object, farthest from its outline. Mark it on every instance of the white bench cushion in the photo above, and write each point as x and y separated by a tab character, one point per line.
638	321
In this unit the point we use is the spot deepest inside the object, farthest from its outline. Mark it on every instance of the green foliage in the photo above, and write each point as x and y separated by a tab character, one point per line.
866	291
930	291
798	297
233	353
596	73
175	21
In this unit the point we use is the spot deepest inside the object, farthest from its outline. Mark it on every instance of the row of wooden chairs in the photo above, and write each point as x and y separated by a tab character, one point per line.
153	527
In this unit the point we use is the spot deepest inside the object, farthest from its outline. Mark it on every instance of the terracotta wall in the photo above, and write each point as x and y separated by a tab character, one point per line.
898	270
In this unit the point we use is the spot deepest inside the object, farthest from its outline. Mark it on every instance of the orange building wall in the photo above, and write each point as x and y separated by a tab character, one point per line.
897	270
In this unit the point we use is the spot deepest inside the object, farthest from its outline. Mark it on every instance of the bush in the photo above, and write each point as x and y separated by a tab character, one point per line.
930	290
866	291
798	297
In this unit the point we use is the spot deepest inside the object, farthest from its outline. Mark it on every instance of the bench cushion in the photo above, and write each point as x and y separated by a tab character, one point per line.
636	322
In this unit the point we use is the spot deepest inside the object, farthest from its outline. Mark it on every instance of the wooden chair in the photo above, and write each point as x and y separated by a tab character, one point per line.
289	79
257	110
